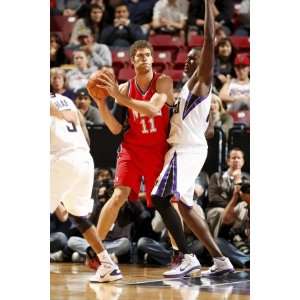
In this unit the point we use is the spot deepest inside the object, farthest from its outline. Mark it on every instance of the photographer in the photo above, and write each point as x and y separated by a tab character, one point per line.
228	209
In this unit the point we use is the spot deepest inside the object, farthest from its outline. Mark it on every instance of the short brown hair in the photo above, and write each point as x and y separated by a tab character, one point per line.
140	44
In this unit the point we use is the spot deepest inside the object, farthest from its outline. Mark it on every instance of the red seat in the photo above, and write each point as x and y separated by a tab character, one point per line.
166	42
180	60
195	40
63	24
176	75
69	55
162	60
241	117
120	59
240	43
125	74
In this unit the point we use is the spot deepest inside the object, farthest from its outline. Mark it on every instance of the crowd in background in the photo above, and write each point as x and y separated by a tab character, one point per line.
101	29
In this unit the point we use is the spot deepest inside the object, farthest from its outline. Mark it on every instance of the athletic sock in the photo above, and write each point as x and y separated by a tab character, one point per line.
104	257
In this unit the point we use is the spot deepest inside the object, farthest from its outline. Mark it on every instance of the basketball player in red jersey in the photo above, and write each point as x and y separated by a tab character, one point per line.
144	143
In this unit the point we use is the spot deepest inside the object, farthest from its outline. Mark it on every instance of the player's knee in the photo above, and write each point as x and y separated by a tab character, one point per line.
119	197
160	203
82	223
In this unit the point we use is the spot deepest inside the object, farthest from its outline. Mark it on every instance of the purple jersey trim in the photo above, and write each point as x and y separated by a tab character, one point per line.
168	183
191	102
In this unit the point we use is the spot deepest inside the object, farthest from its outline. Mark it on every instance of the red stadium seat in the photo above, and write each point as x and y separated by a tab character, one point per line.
165	42
69	55
162	60
125	74
120	59
240	43
63	24
241	117
195	40
176	75
180	60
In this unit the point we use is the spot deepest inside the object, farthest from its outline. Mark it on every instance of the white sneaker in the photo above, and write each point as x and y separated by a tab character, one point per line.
188	265
107	272
219	267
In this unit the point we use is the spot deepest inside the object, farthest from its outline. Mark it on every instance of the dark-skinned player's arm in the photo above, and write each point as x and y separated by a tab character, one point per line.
200	82
111	122
164	94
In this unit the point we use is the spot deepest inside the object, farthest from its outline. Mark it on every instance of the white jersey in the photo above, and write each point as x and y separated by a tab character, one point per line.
65	137
190	119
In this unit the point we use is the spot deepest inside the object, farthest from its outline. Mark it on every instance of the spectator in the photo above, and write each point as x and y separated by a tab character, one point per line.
68	7
196	16
221	188
169	16
57	55
78	77
242	12
234	234
220	117
94	23
141	12
98	54
220	34
224	59
225	14
83	103
58	83
236	92
123	32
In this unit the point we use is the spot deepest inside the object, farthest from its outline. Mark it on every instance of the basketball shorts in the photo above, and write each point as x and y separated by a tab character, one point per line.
181	168
71	182
135	165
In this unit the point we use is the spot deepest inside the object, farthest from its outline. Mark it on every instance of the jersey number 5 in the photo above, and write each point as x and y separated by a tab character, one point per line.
71	128
148	129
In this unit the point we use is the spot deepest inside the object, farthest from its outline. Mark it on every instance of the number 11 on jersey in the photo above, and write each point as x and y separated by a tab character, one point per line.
148	127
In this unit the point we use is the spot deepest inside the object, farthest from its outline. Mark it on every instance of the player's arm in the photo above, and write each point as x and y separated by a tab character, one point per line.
164	94
111	122
83	127
204	71
68	115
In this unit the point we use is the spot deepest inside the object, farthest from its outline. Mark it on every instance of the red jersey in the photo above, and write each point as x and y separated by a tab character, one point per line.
146	131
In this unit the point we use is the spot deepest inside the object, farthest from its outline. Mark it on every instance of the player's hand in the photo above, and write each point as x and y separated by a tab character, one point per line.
108	83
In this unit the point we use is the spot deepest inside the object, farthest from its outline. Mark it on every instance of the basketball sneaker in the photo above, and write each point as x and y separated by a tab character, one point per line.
188	265
107	272
221	266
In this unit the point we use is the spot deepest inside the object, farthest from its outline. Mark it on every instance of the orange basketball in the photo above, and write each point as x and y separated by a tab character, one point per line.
96	92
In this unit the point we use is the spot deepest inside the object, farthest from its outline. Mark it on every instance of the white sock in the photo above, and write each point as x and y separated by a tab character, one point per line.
104	256
221	258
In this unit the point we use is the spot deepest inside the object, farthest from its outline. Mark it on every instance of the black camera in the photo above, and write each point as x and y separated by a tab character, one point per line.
245	187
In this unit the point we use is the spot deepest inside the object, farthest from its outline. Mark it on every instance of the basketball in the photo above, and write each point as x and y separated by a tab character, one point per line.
96	92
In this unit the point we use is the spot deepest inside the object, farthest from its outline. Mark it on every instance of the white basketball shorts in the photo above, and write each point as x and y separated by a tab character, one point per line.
181	168
71	182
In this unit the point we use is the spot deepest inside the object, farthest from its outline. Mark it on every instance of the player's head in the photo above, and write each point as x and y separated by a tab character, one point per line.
192	61
235	159
141	56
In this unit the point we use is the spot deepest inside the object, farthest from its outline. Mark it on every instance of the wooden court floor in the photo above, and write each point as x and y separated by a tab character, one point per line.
71	282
